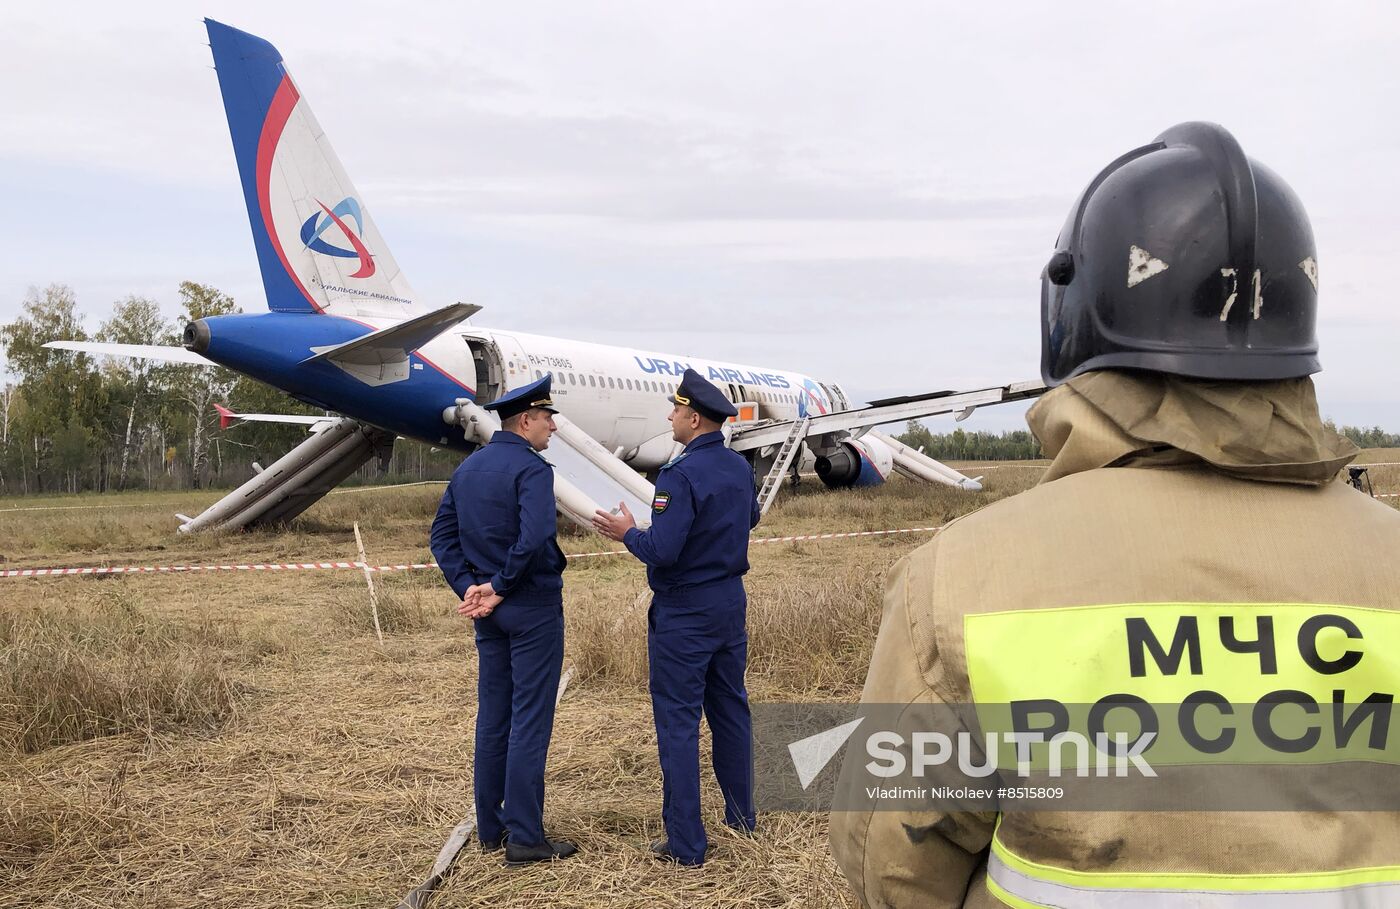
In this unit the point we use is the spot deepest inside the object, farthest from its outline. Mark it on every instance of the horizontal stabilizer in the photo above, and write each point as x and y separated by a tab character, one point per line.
134	351
228	418
381	357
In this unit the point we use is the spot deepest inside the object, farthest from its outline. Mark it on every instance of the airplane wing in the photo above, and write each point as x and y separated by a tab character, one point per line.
775	443
135	351
887	410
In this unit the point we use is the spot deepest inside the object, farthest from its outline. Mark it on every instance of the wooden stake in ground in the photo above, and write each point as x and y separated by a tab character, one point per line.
369	582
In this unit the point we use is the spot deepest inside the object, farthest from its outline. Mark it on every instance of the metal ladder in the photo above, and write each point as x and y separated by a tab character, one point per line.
790	447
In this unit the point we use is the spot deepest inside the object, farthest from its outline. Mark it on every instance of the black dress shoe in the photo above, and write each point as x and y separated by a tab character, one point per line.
661	851
517	854
495	845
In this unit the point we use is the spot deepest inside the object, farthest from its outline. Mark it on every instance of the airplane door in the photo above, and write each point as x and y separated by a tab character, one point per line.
518	370
628	433
516	361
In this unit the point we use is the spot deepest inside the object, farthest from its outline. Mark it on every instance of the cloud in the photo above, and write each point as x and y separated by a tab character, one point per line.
868	193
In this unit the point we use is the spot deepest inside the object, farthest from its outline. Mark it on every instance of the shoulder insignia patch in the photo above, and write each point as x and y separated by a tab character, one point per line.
676	460
659	503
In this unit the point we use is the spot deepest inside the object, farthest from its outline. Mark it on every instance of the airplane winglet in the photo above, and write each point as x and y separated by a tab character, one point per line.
226	416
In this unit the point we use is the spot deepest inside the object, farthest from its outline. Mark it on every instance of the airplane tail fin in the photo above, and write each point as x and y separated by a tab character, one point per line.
318	247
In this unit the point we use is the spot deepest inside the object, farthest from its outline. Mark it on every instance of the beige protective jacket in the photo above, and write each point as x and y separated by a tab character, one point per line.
1166	492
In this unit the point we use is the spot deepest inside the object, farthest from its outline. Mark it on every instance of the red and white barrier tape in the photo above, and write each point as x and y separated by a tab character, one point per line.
417	566
333	492
83	507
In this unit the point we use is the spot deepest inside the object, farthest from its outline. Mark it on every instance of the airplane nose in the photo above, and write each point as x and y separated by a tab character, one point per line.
196	336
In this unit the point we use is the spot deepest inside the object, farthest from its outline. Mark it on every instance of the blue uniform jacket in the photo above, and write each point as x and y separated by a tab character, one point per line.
704	508
497	522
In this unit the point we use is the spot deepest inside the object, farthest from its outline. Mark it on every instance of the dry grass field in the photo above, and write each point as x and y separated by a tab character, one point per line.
239	739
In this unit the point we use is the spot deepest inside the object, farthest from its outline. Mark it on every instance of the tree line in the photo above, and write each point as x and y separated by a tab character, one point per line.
71	422
1020	445
960	445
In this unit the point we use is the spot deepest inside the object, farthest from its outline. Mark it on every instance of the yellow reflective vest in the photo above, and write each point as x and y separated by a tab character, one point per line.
1188	536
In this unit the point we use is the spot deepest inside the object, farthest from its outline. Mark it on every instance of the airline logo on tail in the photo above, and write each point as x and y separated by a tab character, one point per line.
316	225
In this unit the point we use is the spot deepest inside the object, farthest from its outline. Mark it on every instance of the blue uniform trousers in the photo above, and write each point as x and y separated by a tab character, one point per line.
697	652
520	651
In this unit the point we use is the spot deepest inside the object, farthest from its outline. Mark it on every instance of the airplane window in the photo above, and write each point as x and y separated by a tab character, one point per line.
572	380
629	384
610	382
592	381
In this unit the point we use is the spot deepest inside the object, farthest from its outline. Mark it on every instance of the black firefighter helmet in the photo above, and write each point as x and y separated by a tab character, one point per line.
1185	257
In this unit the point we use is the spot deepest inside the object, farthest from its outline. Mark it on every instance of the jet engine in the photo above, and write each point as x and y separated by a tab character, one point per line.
855	462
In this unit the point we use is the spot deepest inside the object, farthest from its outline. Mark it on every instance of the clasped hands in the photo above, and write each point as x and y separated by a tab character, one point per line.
479	601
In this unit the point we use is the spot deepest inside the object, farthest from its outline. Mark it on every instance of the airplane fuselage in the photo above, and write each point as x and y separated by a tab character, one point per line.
615	394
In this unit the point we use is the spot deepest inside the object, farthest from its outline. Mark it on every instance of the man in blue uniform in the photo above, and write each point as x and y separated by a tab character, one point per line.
696	553
494	539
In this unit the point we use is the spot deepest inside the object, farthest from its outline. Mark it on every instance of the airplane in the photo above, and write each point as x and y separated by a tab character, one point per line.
345	333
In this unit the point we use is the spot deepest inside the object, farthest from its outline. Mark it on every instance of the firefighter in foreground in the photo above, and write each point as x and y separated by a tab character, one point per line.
1193	490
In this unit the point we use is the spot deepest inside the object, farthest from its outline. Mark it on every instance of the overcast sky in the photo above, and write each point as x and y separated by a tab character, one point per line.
863	192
